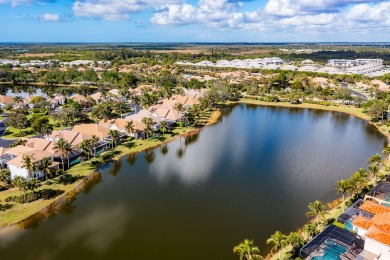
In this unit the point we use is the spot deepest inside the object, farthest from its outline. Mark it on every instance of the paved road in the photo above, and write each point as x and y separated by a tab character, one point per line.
4	143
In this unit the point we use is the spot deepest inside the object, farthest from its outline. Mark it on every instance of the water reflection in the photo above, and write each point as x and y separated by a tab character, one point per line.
164	149
33	221
116	167
93	180
270	160
149	156
189	139
131	159
97	229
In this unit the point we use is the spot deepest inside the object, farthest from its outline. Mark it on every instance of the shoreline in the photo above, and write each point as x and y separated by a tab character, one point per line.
124	151
214	117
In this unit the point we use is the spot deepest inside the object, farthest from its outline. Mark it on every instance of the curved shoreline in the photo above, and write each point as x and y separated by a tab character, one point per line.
215	115
212	120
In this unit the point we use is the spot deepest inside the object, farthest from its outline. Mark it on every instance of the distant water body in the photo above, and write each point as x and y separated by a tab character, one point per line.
252	173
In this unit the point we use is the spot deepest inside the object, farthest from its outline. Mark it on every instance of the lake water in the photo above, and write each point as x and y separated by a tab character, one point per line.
252	173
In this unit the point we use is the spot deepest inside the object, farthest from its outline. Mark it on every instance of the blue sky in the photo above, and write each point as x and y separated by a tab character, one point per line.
194	20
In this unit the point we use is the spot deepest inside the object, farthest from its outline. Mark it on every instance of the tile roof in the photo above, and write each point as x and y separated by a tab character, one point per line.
19	149
374	208
38	143
35	154
92	129
79	98
362	222
378	235
6	99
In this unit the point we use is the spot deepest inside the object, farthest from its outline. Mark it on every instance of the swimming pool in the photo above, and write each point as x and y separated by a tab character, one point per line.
332	251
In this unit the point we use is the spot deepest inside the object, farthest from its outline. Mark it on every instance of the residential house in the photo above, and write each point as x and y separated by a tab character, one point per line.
166	113
97	97
97	130
16	167
120	125
79	98
374	228
155	125
5	100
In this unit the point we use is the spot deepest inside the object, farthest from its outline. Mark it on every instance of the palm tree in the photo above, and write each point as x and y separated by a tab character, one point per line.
374	169
47	129
343	186
18	100
310	230
21	184
28	162
375	159
278	240
94	142
316	209
63	147
148	123
5	176
163	127
129	127
295	240
248	250
115	137
386	151
179	107
86	146
19	142
45	166
359	181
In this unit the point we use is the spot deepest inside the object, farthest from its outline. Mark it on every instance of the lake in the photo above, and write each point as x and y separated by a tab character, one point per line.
252	173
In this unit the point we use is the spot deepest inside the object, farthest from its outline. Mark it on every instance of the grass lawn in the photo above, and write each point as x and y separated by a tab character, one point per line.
28	132
19	211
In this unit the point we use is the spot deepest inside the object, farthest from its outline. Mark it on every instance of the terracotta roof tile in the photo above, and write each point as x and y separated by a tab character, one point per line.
374	208
362	222
378	235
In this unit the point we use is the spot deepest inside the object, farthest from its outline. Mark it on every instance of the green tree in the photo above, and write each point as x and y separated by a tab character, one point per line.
115	135
22	184
386	151
278	240
45	165
18	142
5	177
163	127
63	147
18	121
343	186
296	241
310	230
47	129
374	170
28	162
316	209
148	123
248	250
375	159
129	127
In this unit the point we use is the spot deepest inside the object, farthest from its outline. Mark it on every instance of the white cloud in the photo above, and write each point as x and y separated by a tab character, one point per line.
295	7
116	9
49	17
364	12
15	3
292	16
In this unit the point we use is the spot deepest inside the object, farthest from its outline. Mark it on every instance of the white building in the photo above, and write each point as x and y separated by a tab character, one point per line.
351	63
16	168
364	69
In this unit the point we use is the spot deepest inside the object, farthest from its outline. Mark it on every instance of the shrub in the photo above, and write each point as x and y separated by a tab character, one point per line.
11	198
